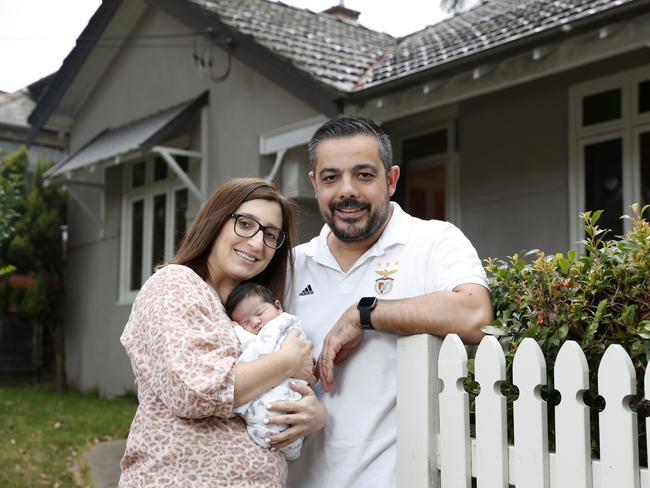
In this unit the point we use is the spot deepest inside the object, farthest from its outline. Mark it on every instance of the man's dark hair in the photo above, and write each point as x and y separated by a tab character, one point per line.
350	126
245	290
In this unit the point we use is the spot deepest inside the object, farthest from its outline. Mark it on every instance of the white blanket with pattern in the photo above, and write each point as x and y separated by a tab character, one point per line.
268	340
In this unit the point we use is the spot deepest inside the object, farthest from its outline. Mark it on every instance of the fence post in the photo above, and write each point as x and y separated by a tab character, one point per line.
417	411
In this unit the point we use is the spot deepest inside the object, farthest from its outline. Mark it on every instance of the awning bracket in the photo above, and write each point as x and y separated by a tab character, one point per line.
168	154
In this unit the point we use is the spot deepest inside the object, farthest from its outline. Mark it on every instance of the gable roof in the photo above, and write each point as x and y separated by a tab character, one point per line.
324	60
333	51
351	58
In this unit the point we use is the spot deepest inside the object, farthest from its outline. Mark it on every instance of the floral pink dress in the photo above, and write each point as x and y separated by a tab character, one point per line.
183	348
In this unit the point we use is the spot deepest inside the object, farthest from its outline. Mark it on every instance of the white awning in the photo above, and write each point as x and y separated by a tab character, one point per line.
114	144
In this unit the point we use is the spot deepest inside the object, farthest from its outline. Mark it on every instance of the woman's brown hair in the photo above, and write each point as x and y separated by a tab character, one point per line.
216	213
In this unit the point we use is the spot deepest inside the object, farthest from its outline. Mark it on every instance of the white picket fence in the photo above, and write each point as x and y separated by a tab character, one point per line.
434	447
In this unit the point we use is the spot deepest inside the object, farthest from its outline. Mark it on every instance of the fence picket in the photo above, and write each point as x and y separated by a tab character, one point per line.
417	411
454	415
491	421
572	434
619	451
530	421
434	448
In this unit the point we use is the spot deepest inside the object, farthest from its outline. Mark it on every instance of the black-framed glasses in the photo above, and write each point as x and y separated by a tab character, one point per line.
246	226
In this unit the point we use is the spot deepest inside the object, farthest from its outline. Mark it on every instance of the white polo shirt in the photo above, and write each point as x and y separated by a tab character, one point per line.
412	257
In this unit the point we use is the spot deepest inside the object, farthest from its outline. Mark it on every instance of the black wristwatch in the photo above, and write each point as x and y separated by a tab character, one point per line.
365	306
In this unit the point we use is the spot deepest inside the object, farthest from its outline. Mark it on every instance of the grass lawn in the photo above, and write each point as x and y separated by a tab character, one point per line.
42	433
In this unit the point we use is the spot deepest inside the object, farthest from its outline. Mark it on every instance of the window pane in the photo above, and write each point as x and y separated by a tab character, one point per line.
138	174
137	228
159	169
183	162
158	234
425	145
644	156
601	107
180	216
604	183
644	96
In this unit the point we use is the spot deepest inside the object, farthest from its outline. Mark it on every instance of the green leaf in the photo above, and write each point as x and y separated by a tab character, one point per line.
595	216
643	210
470	365
629	313
593	326
563	263
493	330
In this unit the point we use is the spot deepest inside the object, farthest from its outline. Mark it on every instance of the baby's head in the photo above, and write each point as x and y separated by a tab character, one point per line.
252	305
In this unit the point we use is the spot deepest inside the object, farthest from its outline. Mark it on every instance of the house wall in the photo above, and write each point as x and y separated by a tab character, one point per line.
514	153
140	82
514	169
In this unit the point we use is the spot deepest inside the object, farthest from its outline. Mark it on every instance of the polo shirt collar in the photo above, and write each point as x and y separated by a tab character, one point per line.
396	232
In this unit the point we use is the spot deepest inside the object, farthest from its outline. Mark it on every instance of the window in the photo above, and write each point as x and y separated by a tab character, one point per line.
609	148
154	220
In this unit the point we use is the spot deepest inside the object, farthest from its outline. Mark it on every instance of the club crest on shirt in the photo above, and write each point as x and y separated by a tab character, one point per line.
384	284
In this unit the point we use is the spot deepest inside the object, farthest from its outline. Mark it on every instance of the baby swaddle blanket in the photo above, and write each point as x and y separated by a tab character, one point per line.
269	339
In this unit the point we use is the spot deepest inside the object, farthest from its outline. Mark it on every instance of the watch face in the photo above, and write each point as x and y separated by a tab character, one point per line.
367	302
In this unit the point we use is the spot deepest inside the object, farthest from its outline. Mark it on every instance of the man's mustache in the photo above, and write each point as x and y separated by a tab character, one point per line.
349	203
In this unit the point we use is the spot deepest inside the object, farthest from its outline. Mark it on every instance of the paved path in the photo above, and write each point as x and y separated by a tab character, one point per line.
104	463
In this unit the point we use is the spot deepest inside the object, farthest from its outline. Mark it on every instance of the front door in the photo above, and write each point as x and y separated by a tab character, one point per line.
426	191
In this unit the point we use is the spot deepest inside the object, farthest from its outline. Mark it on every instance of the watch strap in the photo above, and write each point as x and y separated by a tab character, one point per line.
364	315
365	306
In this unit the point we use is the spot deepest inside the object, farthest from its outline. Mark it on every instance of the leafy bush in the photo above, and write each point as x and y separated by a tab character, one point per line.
596	298
11	184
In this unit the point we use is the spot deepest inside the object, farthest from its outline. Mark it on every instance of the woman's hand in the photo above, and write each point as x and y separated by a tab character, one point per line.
297	352
304	416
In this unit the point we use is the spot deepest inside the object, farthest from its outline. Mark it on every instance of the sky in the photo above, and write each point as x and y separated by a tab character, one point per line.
37	35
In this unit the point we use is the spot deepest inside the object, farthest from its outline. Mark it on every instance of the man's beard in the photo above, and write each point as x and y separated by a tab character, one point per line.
349	232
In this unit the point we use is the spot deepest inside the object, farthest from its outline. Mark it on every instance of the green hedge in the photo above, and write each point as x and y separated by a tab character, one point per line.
596	298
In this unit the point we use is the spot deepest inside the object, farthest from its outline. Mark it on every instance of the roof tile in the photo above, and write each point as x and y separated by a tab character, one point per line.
335	52
349	57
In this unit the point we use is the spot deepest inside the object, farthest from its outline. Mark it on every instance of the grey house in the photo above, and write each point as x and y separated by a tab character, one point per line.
508	120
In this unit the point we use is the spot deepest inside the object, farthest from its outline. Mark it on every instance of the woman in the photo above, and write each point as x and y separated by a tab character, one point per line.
183	350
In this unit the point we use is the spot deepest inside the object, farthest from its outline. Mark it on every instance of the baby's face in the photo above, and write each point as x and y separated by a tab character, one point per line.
252	313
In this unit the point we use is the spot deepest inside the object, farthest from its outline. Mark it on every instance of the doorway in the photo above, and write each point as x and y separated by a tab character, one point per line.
429	174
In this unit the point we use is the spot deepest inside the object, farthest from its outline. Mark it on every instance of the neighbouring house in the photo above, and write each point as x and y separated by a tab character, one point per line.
508	119
15	108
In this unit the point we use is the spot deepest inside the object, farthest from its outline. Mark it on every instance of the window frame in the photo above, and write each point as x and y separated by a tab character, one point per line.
169	186
627	128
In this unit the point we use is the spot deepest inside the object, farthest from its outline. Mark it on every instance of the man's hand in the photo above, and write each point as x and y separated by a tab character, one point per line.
339	343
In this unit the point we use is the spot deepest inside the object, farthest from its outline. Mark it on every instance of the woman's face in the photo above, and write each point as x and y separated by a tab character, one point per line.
234	258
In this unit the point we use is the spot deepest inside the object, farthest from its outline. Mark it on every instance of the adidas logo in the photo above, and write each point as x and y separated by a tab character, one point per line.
306	291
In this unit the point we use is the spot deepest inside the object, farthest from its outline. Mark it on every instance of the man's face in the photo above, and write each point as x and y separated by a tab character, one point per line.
352	187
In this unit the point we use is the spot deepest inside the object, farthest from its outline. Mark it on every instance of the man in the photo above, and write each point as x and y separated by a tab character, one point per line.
374	273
